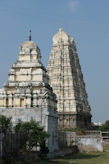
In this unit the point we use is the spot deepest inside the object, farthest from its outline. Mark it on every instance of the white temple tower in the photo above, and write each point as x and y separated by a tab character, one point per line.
67	82
27	94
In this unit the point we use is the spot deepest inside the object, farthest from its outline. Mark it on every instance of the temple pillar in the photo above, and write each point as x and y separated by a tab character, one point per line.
34	99
5	100
10	103
28	100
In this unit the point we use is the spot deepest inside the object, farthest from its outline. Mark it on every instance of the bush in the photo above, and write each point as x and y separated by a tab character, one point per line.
105	126
5	124
19	141
33	134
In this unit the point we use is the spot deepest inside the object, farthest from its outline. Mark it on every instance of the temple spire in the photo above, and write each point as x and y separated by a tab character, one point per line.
30	35
69	86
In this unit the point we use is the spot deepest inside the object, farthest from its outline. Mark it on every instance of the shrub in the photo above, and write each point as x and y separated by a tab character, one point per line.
33	134
105	126
5	124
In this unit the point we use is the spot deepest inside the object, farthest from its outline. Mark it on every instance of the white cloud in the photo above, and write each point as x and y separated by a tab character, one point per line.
73	4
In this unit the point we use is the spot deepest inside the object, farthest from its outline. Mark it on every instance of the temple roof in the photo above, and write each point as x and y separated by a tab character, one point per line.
61	36
29	44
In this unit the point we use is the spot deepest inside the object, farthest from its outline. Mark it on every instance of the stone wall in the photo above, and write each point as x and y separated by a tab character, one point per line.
89	143
84	143
66	139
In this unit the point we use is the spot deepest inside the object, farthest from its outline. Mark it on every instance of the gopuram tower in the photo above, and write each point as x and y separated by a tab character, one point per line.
67	82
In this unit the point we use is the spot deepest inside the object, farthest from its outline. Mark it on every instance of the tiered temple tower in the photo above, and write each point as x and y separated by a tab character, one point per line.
27	94
67	82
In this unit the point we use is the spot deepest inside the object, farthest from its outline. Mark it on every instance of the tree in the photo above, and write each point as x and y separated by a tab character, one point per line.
33	134
5	124
19	141
105	126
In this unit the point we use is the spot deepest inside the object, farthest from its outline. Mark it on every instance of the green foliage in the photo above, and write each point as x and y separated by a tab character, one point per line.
5	124
105	126
73	129
22	138
33	134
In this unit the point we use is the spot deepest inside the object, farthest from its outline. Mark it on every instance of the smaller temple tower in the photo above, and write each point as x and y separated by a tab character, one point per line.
27	94
67	82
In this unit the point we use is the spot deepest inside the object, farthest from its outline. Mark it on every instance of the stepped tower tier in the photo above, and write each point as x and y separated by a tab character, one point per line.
27	94
26	76
67	82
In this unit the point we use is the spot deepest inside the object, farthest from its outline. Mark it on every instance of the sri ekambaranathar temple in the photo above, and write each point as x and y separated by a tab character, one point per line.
32	92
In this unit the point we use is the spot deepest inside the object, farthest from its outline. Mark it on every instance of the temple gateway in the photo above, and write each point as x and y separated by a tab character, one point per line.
27	94
67	82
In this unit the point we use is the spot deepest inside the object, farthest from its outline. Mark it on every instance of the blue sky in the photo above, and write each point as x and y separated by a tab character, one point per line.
85	20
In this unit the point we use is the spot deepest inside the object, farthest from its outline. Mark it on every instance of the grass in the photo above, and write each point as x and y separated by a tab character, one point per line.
82	158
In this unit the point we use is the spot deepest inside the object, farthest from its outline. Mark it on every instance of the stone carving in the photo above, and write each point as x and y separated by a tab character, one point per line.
67	82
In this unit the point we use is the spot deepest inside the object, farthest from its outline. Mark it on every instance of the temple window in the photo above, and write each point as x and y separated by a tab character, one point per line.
7	102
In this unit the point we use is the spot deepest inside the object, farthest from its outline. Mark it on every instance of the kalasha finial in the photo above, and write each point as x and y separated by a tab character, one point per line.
30	35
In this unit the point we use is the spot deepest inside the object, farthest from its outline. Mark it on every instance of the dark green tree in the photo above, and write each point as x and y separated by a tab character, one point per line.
5	124
33	134
105	126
